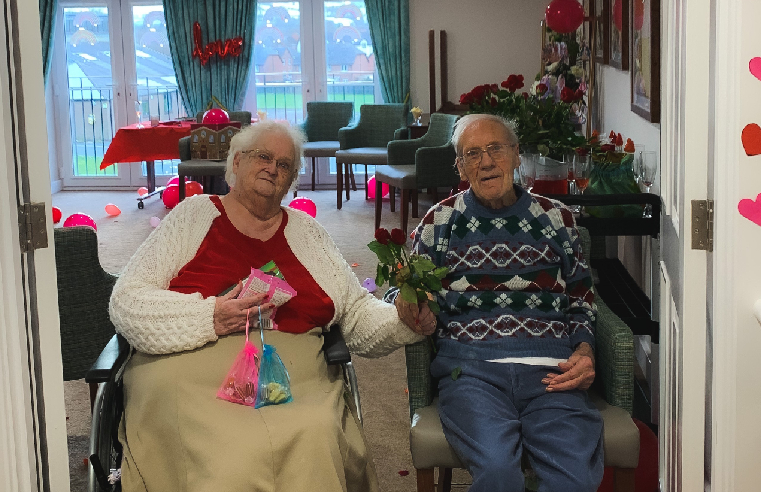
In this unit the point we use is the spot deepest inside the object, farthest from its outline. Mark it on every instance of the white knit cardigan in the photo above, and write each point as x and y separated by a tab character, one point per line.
155	320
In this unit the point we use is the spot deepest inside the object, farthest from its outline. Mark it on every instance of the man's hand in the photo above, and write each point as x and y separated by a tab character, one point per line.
230	313
578	371
418	317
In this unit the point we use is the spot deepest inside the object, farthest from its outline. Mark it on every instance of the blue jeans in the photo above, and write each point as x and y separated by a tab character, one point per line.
493	412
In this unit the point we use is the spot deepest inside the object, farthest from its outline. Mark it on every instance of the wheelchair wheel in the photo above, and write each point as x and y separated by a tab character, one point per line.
105	449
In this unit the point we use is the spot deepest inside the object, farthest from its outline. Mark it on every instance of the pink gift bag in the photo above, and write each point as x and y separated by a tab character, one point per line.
240	385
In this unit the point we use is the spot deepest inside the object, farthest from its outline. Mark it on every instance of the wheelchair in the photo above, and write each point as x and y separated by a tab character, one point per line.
105	450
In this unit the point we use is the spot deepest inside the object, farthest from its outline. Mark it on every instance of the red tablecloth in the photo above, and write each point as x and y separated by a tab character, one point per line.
150	143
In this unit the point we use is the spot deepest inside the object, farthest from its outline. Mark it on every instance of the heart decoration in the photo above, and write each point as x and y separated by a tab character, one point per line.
750	209
755	67
751	138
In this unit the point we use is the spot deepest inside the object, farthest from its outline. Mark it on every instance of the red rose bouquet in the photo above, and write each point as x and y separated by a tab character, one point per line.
416	276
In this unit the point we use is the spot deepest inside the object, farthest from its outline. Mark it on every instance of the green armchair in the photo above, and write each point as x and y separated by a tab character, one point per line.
321	126
614	352
365	143
425	162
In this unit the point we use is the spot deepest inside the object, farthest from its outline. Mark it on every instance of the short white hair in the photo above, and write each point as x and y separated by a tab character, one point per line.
470	119
248	136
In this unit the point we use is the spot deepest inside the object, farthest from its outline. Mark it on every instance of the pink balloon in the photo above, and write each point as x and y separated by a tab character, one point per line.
216	116
142	191
171	196
112	210
155	221
193	188
371	188
75	220
176	180
305	205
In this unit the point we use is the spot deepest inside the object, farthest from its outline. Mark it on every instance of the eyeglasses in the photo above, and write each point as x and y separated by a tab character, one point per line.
498	152
264	158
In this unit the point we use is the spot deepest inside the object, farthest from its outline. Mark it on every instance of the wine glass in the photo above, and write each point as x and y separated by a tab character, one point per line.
528	171
648	169
569	157
138	111
582	170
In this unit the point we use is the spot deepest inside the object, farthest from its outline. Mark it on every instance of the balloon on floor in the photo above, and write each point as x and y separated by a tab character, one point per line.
305	205
371	188
155	221
171	196
79	219
57	215
142	191
112	210
193	188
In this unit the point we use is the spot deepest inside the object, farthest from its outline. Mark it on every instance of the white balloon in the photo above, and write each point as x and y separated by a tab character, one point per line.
155	221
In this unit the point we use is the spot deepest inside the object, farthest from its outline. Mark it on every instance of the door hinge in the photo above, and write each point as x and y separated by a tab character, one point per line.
33	227
702	225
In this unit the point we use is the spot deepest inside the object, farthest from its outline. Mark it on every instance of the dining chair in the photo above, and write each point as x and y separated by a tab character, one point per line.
324	119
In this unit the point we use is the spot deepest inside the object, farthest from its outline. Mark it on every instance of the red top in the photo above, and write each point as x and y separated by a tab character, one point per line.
227	255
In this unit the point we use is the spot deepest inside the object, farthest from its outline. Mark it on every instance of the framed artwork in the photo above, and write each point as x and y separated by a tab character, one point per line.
619	33
646	59
600	30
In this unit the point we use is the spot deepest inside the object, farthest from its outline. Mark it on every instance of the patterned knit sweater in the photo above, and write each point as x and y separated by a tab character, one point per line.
517	286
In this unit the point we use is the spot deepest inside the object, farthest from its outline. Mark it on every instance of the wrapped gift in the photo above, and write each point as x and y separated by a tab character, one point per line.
212	140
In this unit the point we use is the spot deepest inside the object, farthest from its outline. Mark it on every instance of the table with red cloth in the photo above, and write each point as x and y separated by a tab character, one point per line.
147	143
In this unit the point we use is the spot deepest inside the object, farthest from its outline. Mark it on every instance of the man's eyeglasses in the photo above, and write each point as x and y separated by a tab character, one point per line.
498	152
264	158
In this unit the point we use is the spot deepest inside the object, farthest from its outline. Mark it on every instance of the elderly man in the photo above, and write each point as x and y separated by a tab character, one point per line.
515	334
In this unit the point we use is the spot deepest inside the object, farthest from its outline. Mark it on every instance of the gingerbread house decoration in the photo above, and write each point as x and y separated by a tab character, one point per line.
211	141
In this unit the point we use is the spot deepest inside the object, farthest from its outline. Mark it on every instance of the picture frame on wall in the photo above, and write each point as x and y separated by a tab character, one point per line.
619	34
601	30
645	59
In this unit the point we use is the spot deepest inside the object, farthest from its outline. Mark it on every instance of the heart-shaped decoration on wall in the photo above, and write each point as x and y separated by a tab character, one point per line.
750	209
751	138
755	67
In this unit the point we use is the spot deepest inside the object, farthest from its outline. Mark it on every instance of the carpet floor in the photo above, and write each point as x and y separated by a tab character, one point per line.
382	381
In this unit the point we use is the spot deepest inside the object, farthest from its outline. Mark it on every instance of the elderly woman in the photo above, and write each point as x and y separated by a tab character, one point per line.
176	434
516	326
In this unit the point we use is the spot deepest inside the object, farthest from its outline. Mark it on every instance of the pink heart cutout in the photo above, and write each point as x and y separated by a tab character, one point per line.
755	67
750	209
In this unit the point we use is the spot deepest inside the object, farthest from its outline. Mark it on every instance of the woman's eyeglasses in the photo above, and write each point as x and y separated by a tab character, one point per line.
498	152
264	158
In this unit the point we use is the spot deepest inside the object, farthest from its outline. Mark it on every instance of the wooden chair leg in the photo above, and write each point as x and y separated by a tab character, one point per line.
181	185
353	182
623	480
392	198
425	482
314	168
339	184
445	480
415	211
405	209
349	178
378	203
367	192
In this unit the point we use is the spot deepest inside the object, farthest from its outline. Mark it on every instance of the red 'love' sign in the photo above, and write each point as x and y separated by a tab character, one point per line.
231	47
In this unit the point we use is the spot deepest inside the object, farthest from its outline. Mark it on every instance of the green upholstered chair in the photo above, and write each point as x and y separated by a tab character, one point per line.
203	167
365	143
425	162
84	291
321	126
612	394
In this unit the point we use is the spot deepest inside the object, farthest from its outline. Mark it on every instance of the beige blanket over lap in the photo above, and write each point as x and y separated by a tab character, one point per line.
178	436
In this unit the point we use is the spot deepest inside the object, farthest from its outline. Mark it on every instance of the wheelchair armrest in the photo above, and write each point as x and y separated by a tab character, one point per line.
334	347
109	361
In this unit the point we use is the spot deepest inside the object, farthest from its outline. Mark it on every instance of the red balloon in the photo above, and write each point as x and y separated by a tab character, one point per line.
305	205
216	116
112	210
175	180
193	188
142	191
618	15
57	215
171	196
75	220
564	16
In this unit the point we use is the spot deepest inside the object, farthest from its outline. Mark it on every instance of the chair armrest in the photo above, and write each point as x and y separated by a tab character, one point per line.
614	353
402	134
184	145
420	385
402	152
350	137
435	166
109	361
334	347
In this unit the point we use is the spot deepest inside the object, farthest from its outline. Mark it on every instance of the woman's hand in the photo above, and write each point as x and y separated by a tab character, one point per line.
230	313
578	371
419	318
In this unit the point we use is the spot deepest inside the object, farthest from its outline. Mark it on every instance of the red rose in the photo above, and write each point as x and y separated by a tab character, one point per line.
567	95
493	102
513	83
608	148
494	88
382	235
541	89
578	95
478	93
398	236
525	96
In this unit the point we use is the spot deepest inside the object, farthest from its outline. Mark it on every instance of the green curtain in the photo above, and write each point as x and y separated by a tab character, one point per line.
226	78
47	26
389	22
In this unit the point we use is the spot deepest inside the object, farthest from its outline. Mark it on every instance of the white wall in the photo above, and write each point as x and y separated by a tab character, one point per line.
487	40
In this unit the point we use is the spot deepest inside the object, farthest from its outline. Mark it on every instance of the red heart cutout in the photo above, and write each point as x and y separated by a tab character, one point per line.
751	138
755	67
751	210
